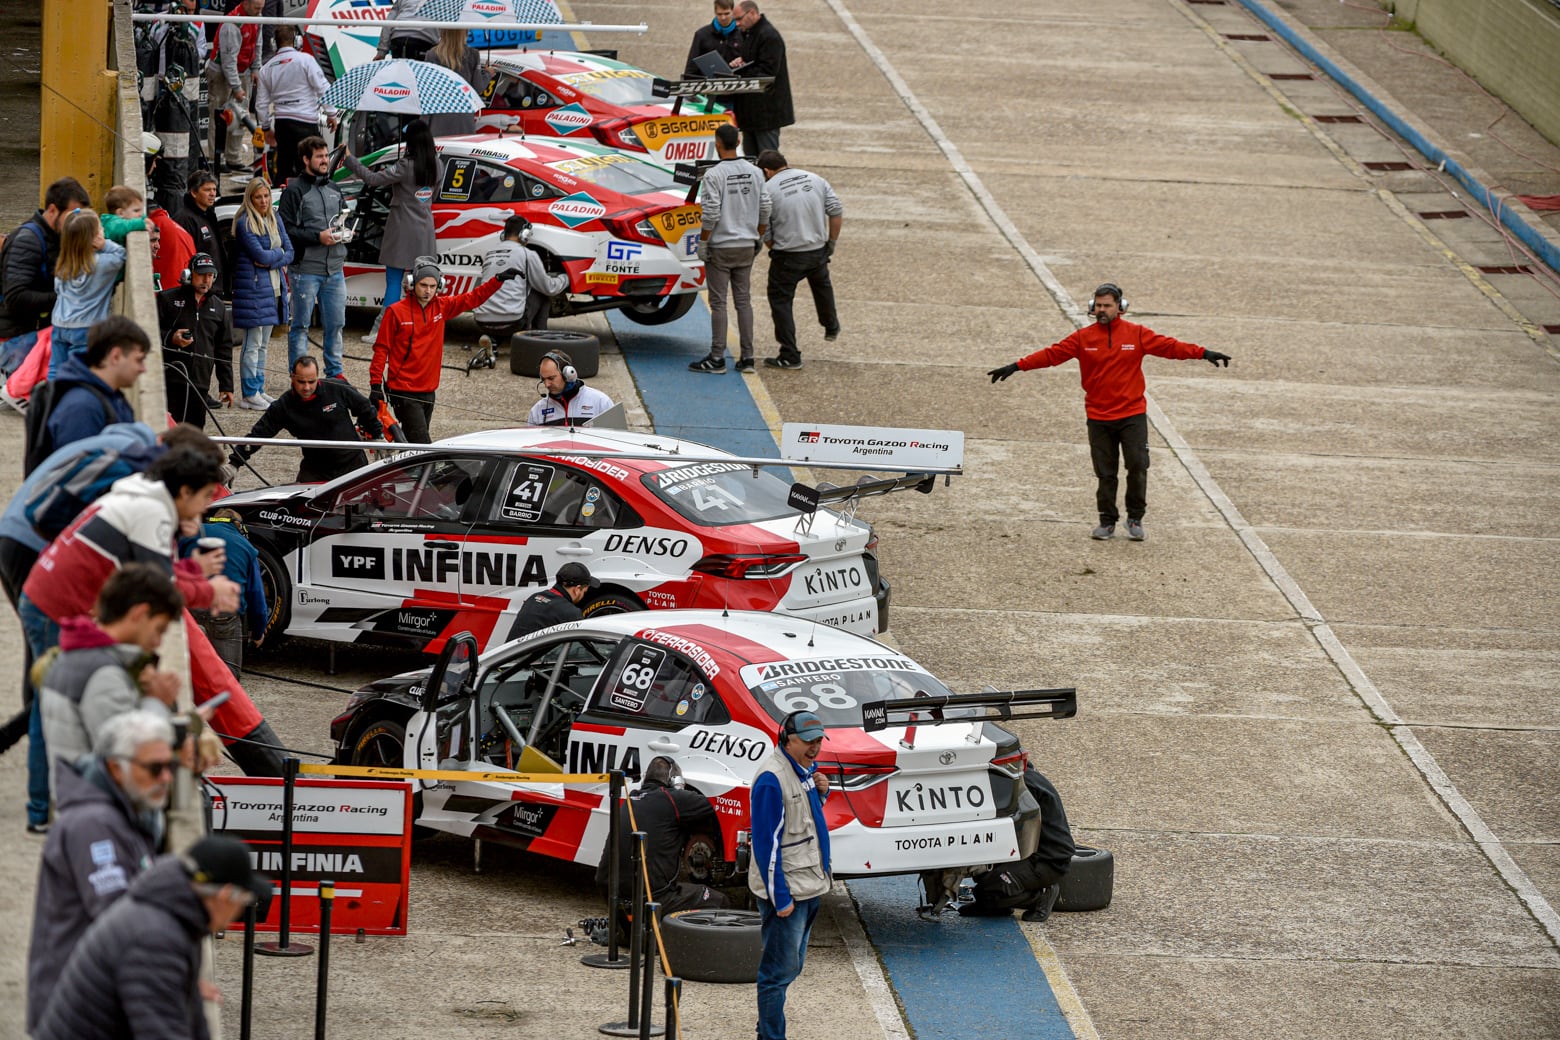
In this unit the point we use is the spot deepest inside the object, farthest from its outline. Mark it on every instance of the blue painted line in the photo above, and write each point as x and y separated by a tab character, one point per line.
958	977
1530	236
716	410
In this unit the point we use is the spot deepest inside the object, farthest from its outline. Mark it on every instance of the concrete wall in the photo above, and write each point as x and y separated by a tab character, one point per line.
1510	46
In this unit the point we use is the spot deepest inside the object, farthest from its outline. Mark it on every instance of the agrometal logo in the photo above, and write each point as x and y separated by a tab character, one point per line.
574	210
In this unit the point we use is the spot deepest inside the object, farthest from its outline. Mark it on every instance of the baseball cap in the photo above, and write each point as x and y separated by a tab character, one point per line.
201	263
577	574
219	860
805	725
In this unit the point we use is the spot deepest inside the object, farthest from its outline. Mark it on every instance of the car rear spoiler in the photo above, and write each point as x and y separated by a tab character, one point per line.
933	711
806	500
681	88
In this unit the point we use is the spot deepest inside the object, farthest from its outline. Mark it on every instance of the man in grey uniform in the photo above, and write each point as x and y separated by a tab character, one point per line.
804	217
521	303
731	193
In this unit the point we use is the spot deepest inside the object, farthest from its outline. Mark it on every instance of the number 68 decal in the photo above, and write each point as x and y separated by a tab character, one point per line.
827	695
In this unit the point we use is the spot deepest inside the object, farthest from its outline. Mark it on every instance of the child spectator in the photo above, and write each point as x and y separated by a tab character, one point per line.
84	279
126	212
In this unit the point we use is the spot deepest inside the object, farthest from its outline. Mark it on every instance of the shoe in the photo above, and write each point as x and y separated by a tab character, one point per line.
213	402
832	334
37	828
267	398
783	362
1135	530
708	364
255	402
745	365
1041	911
1103	533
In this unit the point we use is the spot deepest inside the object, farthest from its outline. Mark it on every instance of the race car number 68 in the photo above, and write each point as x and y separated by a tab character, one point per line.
829	695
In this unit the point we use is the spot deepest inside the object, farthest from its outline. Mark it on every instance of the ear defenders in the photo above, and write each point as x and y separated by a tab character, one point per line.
519	227
566	368
422	265
1109	289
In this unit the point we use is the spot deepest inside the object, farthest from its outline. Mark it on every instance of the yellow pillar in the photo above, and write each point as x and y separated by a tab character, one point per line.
76	136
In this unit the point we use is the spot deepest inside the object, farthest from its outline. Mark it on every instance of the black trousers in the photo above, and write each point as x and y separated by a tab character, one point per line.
755	141
786	271
16	561
186	401
288	133
1110	443
415	412
409	47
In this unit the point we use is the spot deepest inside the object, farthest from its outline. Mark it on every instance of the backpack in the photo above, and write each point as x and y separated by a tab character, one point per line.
5	253
67	490
41	405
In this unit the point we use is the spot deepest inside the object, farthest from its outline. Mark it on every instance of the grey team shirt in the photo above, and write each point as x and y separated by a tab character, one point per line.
800	205
732	193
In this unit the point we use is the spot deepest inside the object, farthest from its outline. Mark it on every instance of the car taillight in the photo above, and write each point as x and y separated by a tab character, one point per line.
1013	765
749	565
872	542
854	776
617	133
634	226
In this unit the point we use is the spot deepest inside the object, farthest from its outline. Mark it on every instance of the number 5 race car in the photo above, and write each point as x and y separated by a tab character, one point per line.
920	779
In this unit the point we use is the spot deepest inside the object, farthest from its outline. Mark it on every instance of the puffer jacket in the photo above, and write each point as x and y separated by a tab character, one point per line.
91	680
256	302
136	972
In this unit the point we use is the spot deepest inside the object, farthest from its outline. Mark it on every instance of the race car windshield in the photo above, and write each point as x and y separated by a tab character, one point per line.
836	688
618	173
614	86
719	493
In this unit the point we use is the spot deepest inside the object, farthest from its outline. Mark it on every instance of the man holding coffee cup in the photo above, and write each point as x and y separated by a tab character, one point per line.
222	533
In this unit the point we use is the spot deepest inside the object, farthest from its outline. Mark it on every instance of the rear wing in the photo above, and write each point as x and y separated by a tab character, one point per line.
807	500
682	88
967	707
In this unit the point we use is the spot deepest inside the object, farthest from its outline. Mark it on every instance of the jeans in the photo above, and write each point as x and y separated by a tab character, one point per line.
731	266
252	366
226	633
66	340
786	269
394	276
331	291
41	633
785	952
1120	440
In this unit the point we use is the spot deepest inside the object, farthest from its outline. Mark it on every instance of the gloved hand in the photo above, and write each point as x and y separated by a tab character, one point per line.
1214	358
376	394
229	474
999	374
828	248
704	250
235	460
504	276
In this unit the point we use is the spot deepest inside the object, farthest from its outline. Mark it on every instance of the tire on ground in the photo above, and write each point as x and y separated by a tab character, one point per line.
713	945
1090	881
527	348
662	310
381	743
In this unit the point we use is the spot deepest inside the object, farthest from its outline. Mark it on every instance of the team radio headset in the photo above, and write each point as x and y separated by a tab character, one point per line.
566	369
1109	289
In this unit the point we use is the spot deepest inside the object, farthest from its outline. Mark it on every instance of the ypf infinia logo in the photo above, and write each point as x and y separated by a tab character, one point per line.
574	210
623	250
568	119
392	92
807	437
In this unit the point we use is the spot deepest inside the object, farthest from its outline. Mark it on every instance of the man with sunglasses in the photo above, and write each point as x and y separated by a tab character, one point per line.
110	828
789	871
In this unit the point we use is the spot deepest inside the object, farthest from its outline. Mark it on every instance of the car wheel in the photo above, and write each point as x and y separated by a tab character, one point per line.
713	945
702	863
526	350
660	311
604	603
278	599
382	743
1088	884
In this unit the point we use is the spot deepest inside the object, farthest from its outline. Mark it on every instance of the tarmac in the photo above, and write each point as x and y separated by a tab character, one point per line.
1317	726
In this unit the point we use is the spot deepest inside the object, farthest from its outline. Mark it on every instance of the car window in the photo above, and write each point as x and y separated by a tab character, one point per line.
509	91
836	688
438	489
719	493
554	495
617	172
536	695
615	86
652	683
467	180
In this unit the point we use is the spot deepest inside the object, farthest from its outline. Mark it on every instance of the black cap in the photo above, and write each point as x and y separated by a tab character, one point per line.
576	574
202	263
220	860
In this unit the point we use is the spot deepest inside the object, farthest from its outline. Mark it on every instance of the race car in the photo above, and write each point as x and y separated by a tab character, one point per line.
920	778
413	549
620	227
572	94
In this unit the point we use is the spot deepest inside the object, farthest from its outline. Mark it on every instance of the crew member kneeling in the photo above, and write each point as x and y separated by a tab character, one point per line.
670	815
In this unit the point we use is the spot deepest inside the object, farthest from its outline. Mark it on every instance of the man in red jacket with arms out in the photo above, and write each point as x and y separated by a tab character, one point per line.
1110	360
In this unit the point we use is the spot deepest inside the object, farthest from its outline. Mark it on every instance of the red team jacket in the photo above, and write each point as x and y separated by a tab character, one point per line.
1110	359
411	338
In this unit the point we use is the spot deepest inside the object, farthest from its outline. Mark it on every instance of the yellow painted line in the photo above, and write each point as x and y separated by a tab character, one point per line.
392	773
567	13
1061	986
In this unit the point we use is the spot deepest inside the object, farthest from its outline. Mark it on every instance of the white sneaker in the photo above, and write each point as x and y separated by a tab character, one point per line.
255	402
269	400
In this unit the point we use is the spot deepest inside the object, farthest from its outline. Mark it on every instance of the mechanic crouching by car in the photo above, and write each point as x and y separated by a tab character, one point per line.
409	352
313	409
1031	884
556	605
669	815
566	400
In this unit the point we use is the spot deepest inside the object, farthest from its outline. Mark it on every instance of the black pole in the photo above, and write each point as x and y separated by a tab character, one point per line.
613	959
636	943
284	946
247	1000
322	976
647	986
673	1008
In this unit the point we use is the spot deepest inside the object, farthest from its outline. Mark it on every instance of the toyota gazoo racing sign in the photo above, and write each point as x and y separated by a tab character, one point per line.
910	450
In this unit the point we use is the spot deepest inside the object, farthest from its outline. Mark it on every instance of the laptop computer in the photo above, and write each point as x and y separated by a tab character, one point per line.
713	65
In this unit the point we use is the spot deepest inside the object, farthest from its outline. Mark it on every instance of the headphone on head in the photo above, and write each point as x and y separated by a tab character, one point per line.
1109	289
518	225
565	368
409	279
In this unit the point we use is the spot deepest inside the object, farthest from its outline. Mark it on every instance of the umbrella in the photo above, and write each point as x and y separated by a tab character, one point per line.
485	12
403	87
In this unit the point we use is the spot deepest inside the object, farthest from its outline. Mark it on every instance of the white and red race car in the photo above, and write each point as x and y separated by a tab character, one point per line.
413	549
941	788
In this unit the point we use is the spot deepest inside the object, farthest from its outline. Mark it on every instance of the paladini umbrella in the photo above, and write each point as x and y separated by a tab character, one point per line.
484	12
402	87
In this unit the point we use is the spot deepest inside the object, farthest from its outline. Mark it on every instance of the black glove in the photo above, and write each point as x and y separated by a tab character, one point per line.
999	374
828	249
1214	358
376	394
513	272
235	460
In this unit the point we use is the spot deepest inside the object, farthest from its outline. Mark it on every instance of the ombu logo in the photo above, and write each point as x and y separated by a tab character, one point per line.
568	119
392	91
576	209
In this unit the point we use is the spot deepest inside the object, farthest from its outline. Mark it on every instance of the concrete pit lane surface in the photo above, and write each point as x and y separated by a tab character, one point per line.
1316	718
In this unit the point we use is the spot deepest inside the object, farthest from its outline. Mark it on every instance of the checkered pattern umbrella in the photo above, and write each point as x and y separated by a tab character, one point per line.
485	12
403	87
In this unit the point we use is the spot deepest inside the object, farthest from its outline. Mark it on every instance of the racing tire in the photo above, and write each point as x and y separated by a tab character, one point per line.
278	598
382	743
663	310
1088	884
608	602
713	945
527	348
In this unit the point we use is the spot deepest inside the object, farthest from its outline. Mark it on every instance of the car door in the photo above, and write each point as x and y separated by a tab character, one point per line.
389	554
